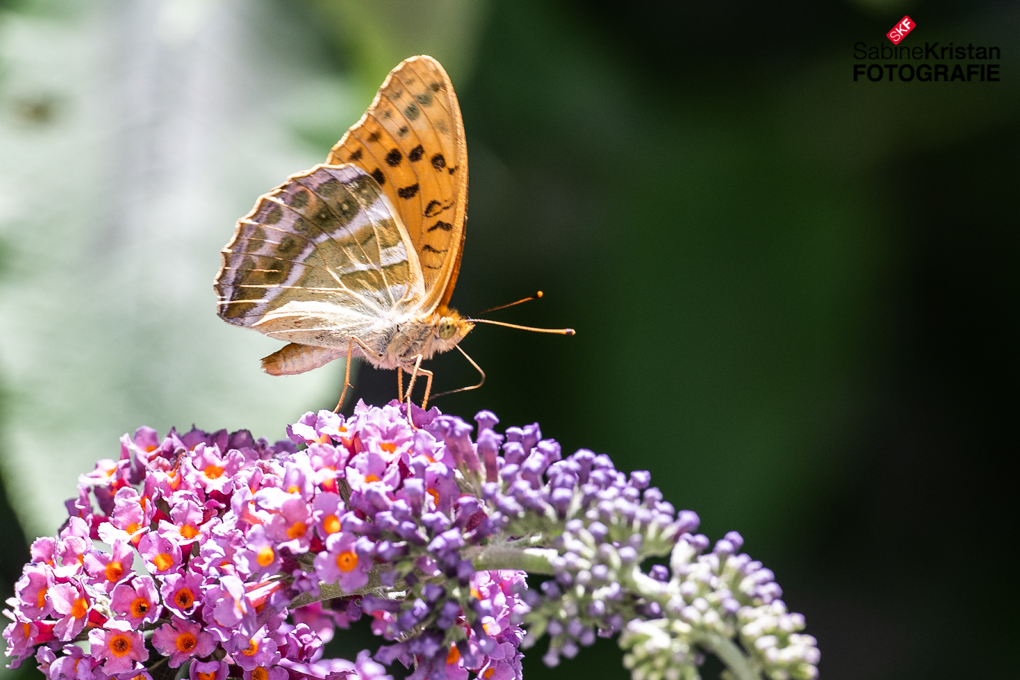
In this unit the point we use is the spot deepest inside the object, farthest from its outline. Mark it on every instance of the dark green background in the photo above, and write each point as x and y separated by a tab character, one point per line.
795	295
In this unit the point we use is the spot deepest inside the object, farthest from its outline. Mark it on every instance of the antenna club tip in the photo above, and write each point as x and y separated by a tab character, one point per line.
539	294
568	331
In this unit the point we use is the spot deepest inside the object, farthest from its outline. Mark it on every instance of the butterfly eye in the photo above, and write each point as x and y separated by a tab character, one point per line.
447	328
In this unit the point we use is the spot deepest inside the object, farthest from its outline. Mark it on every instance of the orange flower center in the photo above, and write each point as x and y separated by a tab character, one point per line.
213	472
132	528
184	598
205	676
265	556
331	524
371	478
488	673
259	673
435	495
186	642
297	530
293	488
189	532
253	647
163	561
454	655
114	570
139	607
346	561
41	598
80	608
388	447
120	644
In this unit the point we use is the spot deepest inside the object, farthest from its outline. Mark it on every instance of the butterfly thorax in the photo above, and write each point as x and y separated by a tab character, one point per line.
399	344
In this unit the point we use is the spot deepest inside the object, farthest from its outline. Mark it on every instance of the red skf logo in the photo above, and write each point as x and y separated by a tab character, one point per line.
900	30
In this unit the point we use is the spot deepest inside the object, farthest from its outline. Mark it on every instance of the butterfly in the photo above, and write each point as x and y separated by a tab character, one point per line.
358	257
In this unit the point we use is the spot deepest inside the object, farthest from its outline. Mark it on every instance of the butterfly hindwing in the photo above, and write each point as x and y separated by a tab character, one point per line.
411	141
324	252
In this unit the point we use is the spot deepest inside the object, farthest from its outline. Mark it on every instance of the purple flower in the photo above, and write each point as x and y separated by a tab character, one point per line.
226	607
250	652
346	561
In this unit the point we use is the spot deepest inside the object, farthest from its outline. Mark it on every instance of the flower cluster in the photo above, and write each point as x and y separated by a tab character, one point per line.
233	557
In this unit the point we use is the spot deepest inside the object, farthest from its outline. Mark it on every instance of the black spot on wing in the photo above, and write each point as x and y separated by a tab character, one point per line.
453	169
433	208
416	153
425	98
374	137
356	156
393	158
412	112
436	87
408	192
445	226
438	161
378	176
403	131
429	249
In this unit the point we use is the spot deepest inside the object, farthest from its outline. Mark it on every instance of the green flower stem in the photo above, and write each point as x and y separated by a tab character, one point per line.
503	556
729	653
723	647
538	561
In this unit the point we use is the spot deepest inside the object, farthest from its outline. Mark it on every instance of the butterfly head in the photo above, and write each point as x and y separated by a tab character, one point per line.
450	328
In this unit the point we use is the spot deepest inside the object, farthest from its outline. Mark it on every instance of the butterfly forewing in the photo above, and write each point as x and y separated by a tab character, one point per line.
322	252
411	141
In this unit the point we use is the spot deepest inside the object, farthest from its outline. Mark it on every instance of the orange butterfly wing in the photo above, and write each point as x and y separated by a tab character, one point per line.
411	141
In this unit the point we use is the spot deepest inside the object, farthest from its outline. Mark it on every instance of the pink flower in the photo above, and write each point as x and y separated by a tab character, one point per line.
32	590
181	592
162	556
137	601
182	640
119	647
106	569
208	670
71	603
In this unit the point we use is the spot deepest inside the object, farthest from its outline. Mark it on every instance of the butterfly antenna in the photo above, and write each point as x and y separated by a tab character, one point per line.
465	389
556	331
536	296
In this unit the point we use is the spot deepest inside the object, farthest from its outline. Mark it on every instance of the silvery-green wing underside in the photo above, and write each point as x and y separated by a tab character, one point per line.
321	258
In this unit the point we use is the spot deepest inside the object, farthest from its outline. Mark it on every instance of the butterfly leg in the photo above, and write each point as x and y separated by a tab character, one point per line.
400	384
347	369
347	376
415	371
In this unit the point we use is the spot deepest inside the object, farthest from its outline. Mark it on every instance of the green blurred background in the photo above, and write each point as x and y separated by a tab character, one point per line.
795	295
